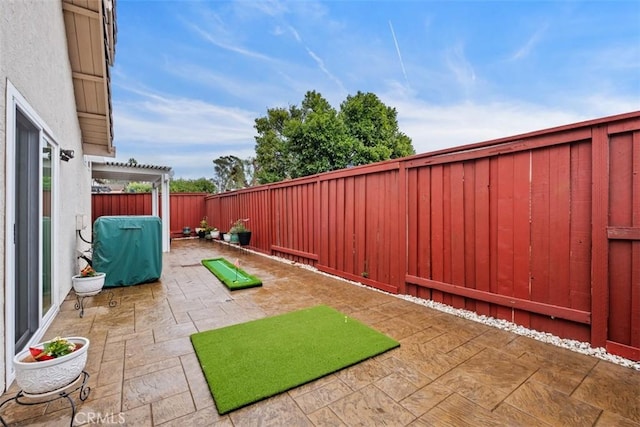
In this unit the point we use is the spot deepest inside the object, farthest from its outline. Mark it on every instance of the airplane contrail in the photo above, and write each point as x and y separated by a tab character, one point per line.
395	40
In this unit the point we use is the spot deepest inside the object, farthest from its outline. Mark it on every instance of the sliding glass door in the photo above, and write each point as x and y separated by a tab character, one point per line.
33	229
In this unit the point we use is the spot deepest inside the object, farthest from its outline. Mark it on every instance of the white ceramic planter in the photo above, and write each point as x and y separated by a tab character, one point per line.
48	375
227	237
215	234
87	286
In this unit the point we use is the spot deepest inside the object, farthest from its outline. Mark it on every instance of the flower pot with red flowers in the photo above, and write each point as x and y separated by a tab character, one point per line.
89	282
51	365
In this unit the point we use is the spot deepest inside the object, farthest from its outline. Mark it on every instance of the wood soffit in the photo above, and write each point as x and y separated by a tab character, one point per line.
91	37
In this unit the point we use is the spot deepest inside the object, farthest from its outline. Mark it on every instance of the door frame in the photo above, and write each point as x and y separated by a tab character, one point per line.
15	101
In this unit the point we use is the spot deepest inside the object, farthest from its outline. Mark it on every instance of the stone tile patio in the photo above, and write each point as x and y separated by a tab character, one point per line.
448	371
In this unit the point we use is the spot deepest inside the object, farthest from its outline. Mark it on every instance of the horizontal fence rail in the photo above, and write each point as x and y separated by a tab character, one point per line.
541	229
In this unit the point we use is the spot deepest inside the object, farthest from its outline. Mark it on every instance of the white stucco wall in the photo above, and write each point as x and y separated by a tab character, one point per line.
33	57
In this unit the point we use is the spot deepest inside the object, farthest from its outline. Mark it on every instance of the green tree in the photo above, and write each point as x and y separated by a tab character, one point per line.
250	166
314	138
132	161
200	185
229	173
374	126
317	141
273	160
138	187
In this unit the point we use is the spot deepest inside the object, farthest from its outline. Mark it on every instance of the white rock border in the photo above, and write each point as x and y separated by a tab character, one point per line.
505	325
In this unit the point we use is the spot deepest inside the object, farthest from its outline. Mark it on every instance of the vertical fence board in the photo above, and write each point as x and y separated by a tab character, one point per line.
349	224
505	232
437	229
389	226
469	212
424	217
307	232
540	223
482	233
413	224
580	224
325	237
599	251
635	245
371	264
447	232
340	204
333	221
620	215
359	240
493	229
559	227
457	212
521	232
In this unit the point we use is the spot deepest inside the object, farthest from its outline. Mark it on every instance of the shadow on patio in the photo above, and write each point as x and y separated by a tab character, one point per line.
448	371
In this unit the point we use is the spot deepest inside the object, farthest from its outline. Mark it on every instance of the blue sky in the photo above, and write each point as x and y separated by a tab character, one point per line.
190	77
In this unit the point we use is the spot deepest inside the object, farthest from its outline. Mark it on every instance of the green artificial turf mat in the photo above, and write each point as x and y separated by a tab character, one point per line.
232	276
251	361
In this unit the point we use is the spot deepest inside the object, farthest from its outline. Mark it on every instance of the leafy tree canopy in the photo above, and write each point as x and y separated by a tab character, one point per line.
138	187
200	185
313	138
375	129
230	173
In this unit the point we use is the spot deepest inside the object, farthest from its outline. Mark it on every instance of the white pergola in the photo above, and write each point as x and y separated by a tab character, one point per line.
159	178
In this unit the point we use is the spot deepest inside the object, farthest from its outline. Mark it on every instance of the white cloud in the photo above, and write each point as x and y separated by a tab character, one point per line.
460	67
325	70
183	133
434	127
174	121
529	45
216	41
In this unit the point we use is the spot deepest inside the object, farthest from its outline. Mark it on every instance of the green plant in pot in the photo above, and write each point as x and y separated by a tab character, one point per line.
202	230
213	233
242	232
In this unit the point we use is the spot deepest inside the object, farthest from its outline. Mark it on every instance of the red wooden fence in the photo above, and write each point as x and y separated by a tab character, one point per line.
187	209
541	229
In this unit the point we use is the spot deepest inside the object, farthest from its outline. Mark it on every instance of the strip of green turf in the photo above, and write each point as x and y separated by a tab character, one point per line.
251	361
232	276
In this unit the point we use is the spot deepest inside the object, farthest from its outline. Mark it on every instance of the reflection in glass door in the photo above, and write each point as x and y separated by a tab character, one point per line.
47	204
26	231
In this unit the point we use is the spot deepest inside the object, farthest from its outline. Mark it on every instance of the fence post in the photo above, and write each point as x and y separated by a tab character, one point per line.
600	244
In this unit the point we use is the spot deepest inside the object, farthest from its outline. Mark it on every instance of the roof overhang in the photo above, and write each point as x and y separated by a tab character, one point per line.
130	172
91	37
158	176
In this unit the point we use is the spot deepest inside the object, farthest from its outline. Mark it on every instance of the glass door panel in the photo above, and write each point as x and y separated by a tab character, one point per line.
47	205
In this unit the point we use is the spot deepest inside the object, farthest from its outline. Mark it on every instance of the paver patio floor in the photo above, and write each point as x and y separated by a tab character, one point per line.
448	371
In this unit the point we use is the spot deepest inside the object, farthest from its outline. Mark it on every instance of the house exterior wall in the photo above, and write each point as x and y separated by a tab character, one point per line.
34	58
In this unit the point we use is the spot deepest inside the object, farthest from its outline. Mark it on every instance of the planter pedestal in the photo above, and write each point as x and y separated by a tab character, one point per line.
80	383
80	296
87	287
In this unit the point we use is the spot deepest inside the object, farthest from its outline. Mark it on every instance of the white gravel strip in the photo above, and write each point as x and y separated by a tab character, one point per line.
573	345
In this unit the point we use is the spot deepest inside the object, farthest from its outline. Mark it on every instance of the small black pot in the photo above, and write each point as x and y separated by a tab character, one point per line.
244	238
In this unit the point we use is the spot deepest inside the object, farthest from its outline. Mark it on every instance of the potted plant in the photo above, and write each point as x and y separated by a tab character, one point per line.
50	365
214	232
186	231
88	282
241	231
202	230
